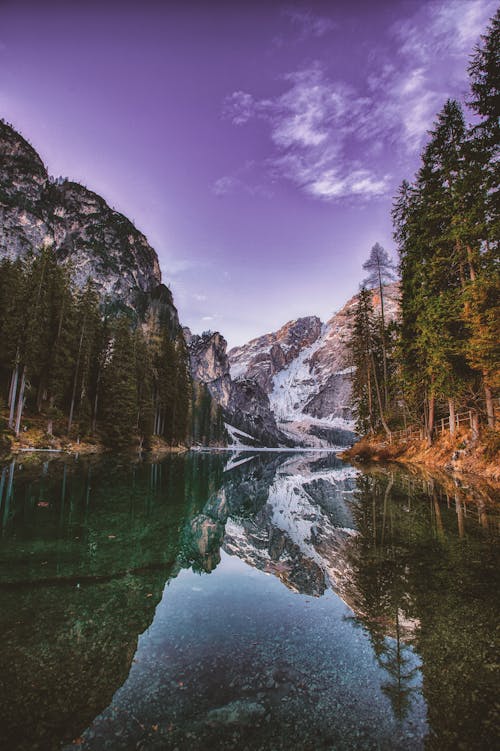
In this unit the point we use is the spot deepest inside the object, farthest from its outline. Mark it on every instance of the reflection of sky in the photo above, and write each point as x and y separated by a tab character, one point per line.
257	145
218	638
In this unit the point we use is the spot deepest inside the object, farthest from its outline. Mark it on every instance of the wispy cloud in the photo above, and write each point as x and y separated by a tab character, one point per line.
245	184
411	93
309	24
328	136
310	125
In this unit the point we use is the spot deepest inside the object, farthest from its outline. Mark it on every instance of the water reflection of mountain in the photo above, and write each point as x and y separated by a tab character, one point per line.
408	554
86	550
301	524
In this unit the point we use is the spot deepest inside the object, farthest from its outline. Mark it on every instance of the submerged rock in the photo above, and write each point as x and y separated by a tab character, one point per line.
239	712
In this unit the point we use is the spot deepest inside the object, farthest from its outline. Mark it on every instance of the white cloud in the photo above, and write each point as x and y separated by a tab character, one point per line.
225	184
308	24
360	182
415	90
233	184
310	123
329	137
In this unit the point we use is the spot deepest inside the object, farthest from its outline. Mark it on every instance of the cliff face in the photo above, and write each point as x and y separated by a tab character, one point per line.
88	235
245	403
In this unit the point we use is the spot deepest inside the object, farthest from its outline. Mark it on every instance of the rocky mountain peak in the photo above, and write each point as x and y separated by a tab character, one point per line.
245	404
87	234
262	358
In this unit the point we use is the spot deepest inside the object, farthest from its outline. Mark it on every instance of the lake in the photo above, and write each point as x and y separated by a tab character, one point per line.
218	600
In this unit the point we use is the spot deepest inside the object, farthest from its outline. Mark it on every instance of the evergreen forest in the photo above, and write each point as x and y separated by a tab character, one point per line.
89	373
443	354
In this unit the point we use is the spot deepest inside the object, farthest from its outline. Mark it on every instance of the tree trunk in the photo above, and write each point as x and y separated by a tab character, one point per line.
379	400
370	399
472	270
96	401
490	409
475	425
75	380
384	354
20	402
13	394
430	420
451	406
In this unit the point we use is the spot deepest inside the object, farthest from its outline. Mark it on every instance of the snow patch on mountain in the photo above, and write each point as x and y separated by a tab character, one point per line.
292	386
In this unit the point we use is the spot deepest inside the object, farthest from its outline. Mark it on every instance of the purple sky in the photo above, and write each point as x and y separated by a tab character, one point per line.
256	144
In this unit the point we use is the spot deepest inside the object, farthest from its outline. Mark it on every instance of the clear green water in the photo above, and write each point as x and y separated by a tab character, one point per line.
255	601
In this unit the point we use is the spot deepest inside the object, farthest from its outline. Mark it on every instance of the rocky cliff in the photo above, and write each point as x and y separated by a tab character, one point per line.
302	367
245	403
93	239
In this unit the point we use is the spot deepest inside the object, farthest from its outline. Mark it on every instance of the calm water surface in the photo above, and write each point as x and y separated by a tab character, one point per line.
246	601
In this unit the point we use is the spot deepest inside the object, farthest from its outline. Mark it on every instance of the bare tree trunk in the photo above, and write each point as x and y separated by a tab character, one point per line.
96	399
370	398
75	380
475	425
430	420
490	409
20	402
384	353
13	394
451	406
472	270
379	400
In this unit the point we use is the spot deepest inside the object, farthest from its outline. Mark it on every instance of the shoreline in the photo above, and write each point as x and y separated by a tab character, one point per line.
459	456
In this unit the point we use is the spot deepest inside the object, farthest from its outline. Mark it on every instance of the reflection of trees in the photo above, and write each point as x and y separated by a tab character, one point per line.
425	574
102	545
384	604
396	659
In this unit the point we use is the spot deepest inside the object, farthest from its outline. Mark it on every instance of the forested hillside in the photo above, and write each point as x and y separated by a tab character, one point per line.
85	370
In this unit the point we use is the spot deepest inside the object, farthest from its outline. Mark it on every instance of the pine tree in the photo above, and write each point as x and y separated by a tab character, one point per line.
435	238
182	391
366	358
86	331
119	392
381	272
145	396
57	375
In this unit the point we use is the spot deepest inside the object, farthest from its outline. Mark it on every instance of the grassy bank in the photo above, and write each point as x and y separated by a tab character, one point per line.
34	437
461	453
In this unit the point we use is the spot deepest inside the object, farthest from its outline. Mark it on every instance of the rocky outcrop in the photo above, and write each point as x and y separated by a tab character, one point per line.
210	364
245	403
96	241
249	410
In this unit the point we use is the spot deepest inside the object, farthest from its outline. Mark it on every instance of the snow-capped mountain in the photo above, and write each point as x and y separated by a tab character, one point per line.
303	367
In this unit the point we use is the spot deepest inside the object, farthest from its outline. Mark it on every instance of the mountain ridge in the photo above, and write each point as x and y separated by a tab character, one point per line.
86	233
